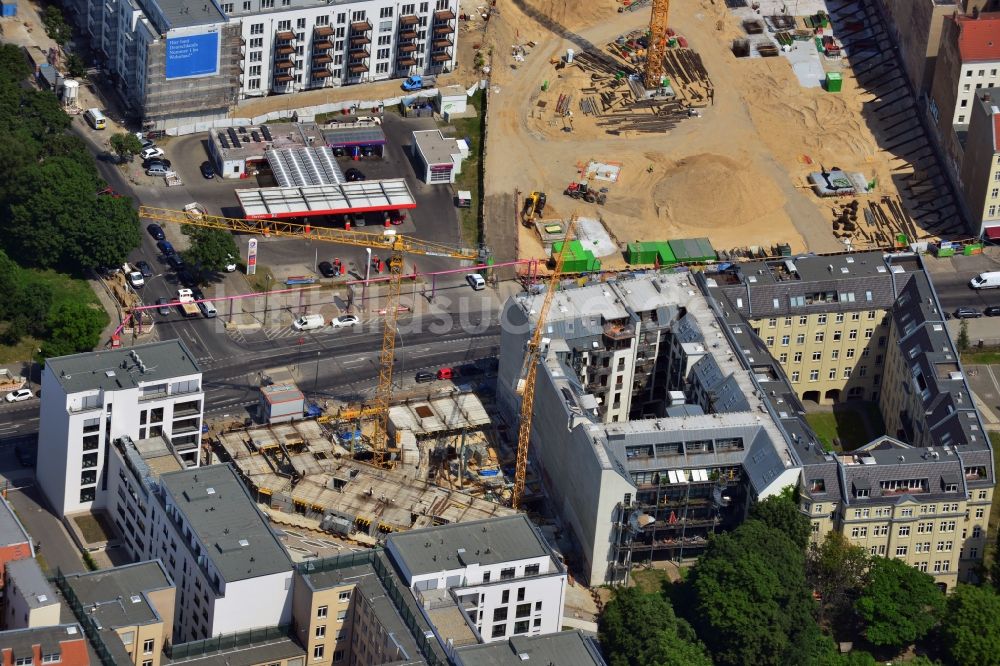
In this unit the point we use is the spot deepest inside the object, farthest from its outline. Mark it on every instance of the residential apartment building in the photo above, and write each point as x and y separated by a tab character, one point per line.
60	644
203	525
15	542
968	60
88	400
648	431
130	608
565	648
176	64
499	576
917	25
921	493
981	164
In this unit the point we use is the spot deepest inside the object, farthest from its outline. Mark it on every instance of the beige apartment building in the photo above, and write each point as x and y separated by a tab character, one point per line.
981	164
869	326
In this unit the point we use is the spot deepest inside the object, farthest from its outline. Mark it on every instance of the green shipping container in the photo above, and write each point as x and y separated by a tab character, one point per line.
692	250
639	254
834	81
664	254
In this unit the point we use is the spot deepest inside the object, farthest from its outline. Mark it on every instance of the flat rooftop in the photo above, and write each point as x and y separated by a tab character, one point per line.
441	414
12	532
219	510
116	597
118	369
31	582
333	199
304	166
435	146
486	542
158	456
566	648
181	14
22	641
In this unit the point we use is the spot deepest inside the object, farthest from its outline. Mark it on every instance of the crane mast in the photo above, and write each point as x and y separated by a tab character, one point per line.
656	49
530	372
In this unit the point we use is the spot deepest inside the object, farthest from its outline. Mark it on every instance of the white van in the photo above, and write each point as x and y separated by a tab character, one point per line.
309	322
208	309
990	280
476	281
95	119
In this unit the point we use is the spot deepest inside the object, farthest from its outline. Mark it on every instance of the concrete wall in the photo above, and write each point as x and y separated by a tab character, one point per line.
918	28
262	601
980	166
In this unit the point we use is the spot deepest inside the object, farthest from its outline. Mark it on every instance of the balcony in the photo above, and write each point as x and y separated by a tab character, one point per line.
284	36
284	64
320	73
440	57
360	40
442	43
322	45
359	54
615	330
284	49
440	30
361	26
444	15
283	79
406	61
407	48
323	31
357	68
408	20
322	59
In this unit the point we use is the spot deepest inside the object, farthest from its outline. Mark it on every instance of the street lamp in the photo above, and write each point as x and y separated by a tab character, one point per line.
267	290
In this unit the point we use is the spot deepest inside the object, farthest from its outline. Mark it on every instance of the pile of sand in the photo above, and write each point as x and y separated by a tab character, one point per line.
714	192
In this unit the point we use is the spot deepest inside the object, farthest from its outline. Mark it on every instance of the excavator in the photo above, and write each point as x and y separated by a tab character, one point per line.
534	206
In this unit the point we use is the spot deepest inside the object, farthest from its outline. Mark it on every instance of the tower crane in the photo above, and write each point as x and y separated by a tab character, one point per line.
397	245
530	371
656	49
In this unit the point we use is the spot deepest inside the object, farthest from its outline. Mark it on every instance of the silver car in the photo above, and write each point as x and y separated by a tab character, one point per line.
158	170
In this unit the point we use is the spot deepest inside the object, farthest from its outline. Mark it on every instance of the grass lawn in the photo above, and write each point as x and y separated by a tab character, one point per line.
649	580
471	128
64	288
981	357
91	529
848	422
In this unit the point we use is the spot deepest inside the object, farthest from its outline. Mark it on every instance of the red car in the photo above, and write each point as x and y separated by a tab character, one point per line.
107	191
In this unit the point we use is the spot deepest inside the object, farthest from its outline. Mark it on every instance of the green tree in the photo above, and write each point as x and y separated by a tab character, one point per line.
13	67
110	230
963	336
836	569
751	603
899	604
782	512
211	249
73	327
125	145
55	25
972	631
76	67
641	629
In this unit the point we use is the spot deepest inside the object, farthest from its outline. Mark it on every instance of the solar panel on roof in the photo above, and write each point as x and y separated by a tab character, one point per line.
266	132
243	130
222	140
256	137
233	136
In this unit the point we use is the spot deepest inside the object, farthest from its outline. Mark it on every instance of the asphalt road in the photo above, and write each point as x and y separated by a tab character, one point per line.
951	280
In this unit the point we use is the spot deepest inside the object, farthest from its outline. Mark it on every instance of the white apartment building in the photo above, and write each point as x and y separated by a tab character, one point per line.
88	400
499	573
232	573
175	62
981	166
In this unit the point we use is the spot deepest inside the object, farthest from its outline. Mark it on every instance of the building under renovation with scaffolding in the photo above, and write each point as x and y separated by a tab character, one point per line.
446	470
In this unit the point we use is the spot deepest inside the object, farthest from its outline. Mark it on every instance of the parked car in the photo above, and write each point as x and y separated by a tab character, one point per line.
207	170
162	161
476	281
423	377
992	311
156	231
158	170
144	268
230	264
165	246
354	175
309	322
967	313
446	373
469	370
152	151
326	269
164	308
344	320
136	279
175	262
20	395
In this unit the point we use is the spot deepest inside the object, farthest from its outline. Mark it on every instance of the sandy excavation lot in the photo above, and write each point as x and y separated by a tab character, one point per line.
736	174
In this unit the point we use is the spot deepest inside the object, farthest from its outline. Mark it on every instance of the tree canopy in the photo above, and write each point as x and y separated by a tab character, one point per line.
971	634
837	570
640	629
211	249
899	604
125	145
781	512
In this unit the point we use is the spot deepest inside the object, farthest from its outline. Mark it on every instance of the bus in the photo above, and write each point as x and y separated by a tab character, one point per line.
95	118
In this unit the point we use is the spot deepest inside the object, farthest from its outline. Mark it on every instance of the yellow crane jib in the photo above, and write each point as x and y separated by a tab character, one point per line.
530	372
